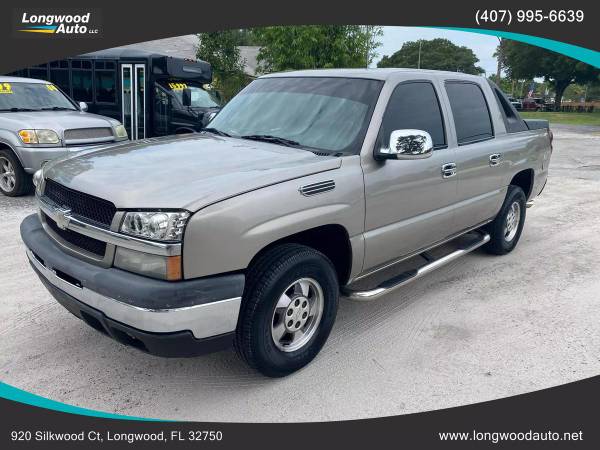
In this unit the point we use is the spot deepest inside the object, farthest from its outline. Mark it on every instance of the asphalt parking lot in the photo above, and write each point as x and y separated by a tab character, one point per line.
481	328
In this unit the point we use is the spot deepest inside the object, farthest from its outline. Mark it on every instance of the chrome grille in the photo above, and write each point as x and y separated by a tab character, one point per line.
86	243
88	133
92	209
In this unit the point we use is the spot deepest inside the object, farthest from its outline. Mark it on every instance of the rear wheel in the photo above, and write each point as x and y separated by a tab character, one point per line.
14	181
289	307
505	230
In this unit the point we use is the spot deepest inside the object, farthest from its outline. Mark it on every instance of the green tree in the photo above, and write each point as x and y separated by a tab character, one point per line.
505	84
436	54
220	49
526	61
316	46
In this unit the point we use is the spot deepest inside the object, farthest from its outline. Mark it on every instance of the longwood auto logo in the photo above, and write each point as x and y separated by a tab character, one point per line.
57	23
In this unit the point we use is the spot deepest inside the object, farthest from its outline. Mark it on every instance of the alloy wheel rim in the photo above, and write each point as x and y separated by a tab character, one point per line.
7	175
297	314
511	223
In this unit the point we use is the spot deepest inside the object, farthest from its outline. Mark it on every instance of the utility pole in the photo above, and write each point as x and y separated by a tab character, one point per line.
499	69
420	45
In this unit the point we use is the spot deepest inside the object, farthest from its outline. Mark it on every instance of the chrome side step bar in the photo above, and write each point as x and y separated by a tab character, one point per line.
406	277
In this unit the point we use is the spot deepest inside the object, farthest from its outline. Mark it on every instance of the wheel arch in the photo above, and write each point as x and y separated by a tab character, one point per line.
332	240
524	179
6	146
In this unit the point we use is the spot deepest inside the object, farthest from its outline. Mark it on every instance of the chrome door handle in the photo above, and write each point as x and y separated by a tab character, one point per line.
448	170
495	159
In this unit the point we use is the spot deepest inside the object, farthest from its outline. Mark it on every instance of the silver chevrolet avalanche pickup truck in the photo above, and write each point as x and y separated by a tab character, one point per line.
307	185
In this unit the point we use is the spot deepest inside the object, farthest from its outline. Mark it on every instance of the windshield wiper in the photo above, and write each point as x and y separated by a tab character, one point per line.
272	139
215	131
18	109
57	108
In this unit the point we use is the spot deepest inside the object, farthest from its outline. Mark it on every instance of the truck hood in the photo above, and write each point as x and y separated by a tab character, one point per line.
187	171
54	120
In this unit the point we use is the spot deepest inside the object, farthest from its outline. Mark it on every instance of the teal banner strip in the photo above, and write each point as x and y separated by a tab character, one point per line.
18	395
586	55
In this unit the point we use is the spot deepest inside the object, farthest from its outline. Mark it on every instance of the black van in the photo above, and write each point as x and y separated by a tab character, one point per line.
150	93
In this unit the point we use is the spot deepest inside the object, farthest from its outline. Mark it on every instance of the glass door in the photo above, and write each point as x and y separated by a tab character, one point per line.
126	103
140	101
133	94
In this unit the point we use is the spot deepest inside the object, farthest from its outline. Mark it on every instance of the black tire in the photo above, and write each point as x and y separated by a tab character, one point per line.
266	281
502	242
22	180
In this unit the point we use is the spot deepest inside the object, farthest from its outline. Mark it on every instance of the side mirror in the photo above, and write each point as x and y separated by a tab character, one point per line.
83	106
407	144
186	97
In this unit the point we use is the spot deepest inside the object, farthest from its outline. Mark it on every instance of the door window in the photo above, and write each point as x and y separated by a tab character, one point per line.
140	100
471	113
126	93
414	105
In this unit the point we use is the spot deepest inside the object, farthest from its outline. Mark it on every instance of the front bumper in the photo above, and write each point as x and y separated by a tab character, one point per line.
33	158
183	318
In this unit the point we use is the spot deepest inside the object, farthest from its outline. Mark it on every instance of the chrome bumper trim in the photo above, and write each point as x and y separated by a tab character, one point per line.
108	236
205	320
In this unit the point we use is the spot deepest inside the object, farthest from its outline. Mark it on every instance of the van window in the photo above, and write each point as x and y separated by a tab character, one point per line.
106	84
470	110
414	105
59	75
39	72
82	85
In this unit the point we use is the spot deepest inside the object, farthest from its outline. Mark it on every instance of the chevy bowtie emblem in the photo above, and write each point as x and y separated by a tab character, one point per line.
63	217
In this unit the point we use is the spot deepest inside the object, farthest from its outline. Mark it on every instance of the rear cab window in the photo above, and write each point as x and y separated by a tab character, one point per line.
510	116
414	105
470	110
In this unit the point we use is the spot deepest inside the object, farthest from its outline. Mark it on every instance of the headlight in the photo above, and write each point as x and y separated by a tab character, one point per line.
120	132
39	137
156	225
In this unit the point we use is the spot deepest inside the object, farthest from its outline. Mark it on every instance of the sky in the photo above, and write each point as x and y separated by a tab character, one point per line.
483	46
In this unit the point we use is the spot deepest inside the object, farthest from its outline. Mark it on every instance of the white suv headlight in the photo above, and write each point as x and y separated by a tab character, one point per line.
155	225
120	131
39	137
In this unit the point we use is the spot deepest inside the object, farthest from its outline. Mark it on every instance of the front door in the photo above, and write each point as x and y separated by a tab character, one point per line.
133	95
409	202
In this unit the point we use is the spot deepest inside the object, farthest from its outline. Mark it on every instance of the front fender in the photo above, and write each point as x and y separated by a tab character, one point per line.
225	236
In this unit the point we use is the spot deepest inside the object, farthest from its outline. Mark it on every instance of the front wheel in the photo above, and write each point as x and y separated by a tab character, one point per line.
288	309
14	181
505	230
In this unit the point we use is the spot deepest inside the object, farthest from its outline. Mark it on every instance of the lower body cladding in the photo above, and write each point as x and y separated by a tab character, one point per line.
176	319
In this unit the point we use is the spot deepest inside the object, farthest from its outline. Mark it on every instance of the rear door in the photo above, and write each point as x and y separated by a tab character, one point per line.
408	202
479	155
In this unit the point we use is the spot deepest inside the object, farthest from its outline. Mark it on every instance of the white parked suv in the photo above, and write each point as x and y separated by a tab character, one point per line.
39	123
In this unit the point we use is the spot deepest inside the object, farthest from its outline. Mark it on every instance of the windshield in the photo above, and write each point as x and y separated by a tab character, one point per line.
201	98
330	114
32	96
